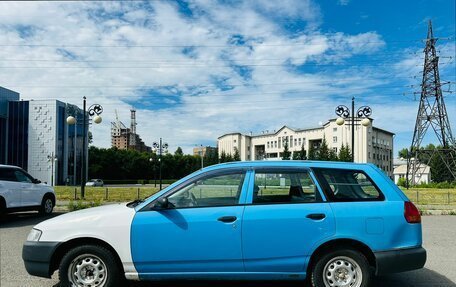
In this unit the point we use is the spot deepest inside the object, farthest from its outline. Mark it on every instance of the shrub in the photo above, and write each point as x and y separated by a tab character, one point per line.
79	204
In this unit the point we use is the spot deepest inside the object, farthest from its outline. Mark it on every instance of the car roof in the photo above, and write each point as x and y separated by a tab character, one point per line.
289	163
8	166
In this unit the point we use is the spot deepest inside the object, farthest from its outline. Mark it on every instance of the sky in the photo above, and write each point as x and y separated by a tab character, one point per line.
195	70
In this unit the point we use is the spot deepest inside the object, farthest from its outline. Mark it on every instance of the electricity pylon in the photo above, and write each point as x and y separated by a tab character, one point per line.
431	113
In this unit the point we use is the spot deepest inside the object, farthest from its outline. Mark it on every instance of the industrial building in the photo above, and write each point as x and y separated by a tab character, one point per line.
372	144
127	138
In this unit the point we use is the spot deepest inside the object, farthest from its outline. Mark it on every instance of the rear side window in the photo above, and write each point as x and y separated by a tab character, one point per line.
347	185
8	174
283	187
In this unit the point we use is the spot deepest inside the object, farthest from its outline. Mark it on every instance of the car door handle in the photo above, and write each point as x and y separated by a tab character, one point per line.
227	219
316	216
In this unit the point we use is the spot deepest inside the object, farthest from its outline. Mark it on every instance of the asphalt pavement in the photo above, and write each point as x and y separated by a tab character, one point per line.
439	240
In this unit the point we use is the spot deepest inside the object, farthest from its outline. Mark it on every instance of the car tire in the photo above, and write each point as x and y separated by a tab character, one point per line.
94	264
47	205
344	266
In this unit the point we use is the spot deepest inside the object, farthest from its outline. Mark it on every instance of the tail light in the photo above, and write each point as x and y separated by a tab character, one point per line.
411	213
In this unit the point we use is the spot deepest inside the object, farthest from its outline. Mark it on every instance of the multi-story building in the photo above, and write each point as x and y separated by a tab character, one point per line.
203	150
372	144
5	96
127	138
39	140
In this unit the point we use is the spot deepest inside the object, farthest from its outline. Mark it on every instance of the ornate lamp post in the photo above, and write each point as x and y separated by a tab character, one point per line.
344	112
160	147
94	112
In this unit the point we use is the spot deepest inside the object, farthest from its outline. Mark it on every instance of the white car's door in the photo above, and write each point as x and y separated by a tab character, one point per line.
30	195
9	187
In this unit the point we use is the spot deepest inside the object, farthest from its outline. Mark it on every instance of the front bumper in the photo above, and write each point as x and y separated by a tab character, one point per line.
400	260
37	257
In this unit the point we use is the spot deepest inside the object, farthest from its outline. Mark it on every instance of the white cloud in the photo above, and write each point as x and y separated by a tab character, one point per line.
121	47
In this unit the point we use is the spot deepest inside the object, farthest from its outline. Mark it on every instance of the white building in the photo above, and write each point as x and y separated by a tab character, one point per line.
372	144
422	175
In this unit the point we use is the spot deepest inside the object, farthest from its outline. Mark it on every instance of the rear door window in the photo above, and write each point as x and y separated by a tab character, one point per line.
347	185
283	186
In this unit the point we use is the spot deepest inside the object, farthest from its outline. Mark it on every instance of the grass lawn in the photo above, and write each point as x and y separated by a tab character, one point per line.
425	196
105	193
430	196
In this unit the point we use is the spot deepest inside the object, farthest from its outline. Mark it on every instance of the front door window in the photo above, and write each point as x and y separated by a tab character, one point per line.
216	190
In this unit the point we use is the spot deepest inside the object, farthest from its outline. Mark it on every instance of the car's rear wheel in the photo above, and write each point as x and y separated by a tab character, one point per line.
89	265
47	205
342	268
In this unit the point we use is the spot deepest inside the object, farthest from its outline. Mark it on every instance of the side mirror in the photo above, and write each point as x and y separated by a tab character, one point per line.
161	203
36	181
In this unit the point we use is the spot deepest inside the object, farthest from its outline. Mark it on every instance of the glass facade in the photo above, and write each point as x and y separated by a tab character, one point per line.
2	140
18	119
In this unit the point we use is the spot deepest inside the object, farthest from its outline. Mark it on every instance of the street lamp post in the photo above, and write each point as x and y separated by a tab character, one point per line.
159	147
52	159
94	112
344	112
154	169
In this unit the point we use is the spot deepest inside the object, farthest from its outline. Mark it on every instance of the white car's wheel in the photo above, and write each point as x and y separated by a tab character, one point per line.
47	205
90	265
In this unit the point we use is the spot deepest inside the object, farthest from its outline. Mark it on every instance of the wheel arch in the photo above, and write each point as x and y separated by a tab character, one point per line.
68	245
342	243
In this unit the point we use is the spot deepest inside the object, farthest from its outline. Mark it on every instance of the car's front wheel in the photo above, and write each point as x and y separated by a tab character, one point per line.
343	268
47	205
89	265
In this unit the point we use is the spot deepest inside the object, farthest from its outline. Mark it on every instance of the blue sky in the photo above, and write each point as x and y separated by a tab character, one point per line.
195	70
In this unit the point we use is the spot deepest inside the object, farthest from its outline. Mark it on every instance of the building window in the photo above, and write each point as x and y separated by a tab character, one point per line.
295	142
280	142
334	129
268	144
369	155
275	143
234	141
335	149
299	140
291	141
334	139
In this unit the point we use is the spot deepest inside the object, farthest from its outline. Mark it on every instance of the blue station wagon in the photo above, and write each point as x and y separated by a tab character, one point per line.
336	224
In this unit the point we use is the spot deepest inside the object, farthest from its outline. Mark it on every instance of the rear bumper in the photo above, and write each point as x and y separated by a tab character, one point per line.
400	260
37	257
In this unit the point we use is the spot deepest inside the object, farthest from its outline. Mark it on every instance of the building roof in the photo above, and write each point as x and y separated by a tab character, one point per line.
293	129
402	169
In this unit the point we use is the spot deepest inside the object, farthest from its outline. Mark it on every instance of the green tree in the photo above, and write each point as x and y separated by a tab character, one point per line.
345	153
312	152
223	157
333	155
323	151
236	156
403	153
179	151
286	152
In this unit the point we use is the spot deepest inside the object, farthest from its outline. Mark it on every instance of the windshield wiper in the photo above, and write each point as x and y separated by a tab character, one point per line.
135	202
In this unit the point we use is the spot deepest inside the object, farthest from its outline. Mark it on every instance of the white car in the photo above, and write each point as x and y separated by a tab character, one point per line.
94	182
19	191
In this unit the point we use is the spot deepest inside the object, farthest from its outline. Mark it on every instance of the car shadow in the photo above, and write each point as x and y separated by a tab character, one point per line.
22	219
419	278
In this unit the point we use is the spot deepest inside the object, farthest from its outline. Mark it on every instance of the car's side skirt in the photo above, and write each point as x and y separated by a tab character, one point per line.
223	276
